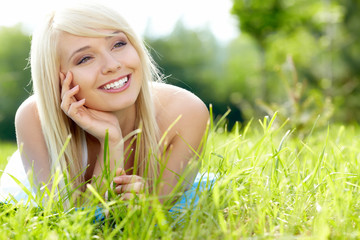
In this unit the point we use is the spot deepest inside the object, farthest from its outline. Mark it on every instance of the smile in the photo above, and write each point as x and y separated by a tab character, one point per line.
116	85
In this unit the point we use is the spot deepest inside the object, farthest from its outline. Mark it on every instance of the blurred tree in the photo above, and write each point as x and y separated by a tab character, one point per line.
346	90
322	39
279	28
241	76
14	76
195	61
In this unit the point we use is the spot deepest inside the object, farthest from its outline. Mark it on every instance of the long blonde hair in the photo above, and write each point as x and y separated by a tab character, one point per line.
84	19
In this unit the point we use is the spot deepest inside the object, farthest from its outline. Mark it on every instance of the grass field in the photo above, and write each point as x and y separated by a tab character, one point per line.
271	184
6	150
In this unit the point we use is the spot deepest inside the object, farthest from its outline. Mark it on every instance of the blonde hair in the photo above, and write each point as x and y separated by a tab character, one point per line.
84	19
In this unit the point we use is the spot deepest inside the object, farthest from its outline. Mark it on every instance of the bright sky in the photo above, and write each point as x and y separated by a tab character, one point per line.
158	16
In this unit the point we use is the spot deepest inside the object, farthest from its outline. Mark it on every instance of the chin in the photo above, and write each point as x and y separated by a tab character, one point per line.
115	106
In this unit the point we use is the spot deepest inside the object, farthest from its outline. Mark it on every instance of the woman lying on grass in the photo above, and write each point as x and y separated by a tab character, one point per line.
91	75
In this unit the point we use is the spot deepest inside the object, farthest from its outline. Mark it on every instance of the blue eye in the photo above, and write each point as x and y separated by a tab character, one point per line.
119	44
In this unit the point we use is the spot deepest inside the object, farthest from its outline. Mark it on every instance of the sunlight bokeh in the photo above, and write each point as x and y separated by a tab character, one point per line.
156	17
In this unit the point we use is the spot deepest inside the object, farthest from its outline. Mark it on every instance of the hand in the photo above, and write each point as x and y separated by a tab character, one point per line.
92	121
128	185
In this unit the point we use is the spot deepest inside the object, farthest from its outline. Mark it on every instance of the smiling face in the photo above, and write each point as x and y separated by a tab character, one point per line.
107	69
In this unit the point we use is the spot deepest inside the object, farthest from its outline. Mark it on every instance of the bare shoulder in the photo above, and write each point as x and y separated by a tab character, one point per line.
183	119
26	112
172	102
176	101
27	123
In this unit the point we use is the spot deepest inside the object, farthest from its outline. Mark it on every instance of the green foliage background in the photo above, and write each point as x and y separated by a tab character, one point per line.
321	40
299	58
14	76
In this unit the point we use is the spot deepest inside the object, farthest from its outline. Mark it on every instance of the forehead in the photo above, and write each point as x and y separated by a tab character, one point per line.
67	40
65	37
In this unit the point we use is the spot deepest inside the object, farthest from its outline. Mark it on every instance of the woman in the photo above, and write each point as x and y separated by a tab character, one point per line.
92	75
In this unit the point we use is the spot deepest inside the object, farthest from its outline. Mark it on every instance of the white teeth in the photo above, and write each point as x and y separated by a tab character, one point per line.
117	84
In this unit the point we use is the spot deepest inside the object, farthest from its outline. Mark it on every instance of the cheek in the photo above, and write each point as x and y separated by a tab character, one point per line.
133	59
82	81
78	77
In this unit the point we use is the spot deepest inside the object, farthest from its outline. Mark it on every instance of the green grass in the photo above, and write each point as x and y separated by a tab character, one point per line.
6	150
271	184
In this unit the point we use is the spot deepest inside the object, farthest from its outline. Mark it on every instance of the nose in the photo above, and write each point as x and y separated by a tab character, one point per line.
110	64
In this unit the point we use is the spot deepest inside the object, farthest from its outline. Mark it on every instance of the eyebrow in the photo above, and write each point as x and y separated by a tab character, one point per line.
79	50
116	32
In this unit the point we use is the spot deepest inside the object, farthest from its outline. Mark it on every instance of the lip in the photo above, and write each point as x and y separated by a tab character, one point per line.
118	89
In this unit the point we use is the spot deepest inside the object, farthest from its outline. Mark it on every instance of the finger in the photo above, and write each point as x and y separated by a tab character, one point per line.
107	195
71	92
137	187
127	196
74	108
134	187
126	179
120	171
66	83
62	78
68	98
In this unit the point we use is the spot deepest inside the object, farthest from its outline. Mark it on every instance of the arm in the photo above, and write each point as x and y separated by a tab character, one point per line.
33	149
31	142
95	123
116	153
187	135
